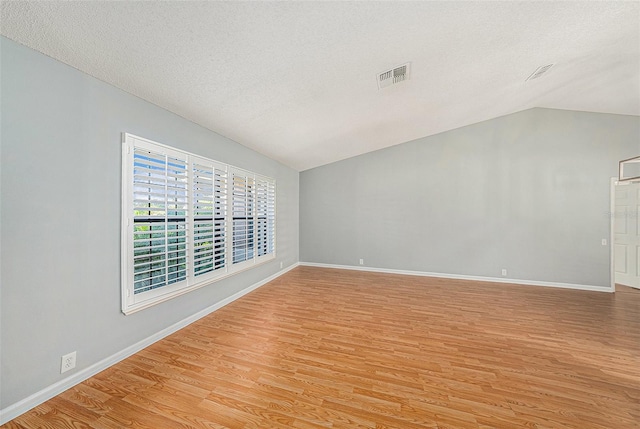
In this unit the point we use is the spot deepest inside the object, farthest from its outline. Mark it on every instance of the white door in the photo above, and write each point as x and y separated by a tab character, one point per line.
626	224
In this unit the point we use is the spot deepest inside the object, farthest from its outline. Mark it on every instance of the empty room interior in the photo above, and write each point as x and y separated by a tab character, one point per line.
319	214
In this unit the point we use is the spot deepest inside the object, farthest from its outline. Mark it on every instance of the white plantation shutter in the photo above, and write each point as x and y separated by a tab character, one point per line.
242	208
188	220
159	220
253	212
266	215
209	217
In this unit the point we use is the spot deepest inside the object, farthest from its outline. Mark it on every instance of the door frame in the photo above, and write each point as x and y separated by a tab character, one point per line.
612	211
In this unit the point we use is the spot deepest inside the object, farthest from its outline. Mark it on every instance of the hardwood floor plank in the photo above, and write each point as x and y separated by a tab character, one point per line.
321	348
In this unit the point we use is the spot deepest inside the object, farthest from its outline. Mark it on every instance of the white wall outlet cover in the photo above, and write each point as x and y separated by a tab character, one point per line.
68	362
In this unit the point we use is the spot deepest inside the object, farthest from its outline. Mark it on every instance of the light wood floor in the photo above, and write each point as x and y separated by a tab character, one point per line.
320	348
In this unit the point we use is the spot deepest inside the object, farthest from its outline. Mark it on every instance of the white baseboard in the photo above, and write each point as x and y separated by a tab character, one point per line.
21	407
463	277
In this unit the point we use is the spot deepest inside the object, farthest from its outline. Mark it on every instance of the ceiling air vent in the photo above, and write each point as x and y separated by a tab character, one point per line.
539	72
393	76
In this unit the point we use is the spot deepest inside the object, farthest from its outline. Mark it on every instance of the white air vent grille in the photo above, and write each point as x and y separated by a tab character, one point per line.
393	76
540	71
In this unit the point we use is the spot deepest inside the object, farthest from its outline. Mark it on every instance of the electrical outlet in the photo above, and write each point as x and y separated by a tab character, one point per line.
68	362
281	263
604	241
504	272
361	261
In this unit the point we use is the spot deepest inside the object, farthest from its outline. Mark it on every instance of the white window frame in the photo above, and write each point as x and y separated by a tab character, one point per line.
259	213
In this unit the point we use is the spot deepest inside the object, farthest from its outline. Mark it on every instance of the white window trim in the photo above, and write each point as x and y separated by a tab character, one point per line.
132	302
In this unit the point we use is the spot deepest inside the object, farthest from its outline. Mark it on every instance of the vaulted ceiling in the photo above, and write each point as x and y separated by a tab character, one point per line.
297	81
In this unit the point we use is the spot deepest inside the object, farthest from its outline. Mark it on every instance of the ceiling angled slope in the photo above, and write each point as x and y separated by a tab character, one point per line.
298	81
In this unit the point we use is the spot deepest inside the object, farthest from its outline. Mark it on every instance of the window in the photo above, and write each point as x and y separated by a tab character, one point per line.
187	221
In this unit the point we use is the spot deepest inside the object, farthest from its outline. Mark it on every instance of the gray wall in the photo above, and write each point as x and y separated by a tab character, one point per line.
528	192
60	210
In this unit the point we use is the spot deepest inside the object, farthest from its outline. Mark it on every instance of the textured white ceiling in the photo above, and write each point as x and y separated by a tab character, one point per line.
296	81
